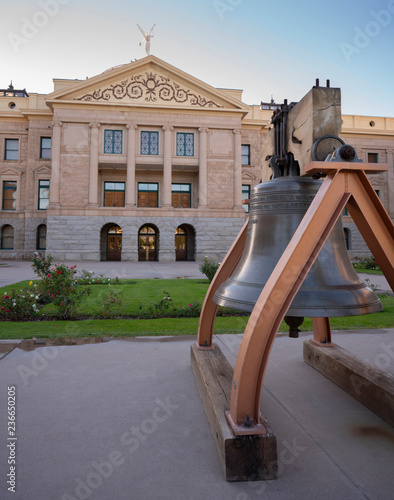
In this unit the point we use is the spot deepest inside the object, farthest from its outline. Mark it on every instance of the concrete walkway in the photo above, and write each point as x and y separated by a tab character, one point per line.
123	420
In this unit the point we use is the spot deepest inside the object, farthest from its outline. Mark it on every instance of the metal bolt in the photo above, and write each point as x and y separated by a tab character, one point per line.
248	422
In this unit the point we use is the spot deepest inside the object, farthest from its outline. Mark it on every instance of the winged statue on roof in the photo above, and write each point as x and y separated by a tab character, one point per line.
147	36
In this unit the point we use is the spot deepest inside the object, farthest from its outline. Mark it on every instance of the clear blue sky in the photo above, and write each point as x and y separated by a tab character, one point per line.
264	47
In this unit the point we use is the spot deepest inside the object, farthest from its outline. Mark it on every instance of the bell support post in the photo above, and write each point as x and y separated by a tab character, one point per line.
344	181
209	308
322	331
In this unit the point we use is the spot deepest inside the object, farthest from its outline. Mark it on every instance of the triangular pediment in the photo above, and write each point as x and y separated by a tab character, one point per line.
42	169
247	176
148	82
11	171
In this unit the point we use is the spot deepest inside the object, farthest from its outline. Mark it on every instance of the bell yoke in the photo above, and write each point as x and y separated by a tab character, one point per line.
290	259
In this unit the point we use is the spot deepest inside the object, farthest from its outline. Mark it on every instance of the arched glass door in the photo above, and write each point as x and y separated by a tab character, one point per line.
180	244
147	243
114	243
185	242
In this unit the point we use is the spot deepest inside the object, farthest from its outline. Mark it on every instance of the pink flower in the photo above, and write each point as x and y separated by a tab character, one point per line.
8	310
59	272
49	275
2	308
190	305
7	296
52	295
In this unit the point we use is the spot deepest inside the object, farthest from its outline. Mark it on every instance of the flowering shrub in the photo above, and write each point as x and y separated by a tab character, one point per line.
41	266
165	309
110	303
190	311
209	268
59	285
366	263
159	310
89	278
17	306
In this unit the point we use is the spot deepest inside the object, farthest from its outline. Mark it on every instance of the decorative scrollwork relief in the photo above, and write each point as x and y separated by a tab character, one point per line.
151	88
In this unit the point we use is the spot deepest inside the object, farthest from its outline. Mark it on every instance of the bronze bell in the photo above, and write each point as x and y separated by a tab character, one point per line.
331	288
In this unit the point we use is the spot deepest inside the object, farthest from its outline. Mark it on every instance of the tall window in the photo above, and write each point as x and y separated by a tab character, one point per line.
43	195
113	142
149	143
148	194
245	152
11	149
45	148
41	237
7	238
9	195
372	157
184	144
246	196
114	194
181	195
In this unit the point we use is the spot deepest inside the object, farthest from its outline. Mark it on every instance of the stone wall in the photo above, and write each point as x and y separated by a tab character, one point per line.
79	238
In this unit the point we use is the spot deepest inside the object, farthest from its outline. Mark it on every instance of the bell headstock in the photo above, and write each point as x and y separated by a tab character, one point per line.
316	115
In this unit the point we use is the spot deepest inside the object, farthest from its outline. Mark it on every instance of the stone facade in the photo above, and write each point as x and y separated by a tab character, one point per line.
142	162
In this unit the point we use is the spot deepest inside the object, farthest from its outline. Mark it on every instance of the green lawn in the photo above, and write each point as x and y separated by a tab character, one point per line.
149	292
368	271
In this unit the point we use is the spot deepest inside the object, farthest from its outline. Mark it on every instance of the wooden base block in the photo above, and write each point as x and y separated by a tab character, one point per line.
370	386
243	458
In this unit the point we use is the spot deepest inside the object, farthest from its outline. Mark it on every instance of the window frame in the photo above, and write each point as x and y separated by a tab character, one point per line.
5	188
139	190
113	191
112	142
2	237
39	237
245	155
7	149
184	135
39	195
189	191
246	191
376	156
42	148
150	133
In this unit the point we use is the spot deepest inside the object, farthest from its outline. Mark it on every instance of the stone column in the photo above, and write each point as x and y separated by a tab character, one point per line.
203	171
131	156
93	164
237	169
54	186
167	167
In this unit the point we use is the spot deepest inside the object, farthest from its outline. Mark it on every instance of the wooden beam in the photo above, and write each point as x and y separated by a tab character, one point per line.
364	382
243	458
318	167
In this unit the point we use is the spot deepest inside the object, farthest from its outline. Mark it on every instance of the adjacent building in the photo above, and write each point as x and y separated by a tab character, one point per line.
143	162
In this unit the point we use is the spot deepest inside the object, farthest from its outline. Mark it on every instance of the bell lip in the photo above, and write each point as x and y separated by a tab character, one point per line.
310	311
